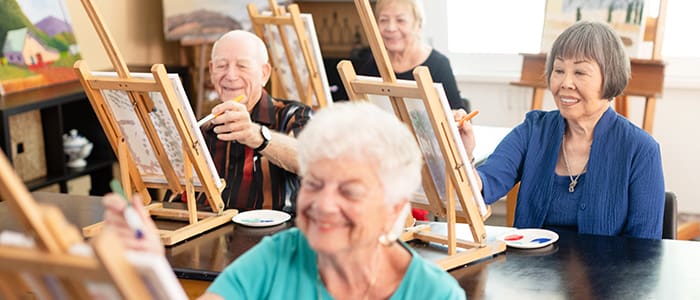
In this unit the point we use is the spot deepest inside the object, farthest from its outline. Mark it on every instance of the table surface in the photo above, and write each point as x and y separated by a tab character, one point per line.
576	266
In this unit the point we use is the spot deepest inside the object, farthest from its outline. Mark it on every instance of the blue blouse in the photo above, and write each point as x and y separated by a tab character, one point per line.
564	206
624	189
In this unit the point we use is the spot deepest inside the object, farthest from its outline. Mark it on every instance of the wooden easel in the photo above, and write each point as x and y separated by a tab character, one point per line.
647	74
457	182
198	66
282	19
22	270
138	92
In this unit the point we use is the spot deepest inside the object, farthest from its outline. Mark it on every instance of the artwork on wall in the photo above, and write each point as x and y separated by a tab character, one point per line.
627	17
206	18
37	44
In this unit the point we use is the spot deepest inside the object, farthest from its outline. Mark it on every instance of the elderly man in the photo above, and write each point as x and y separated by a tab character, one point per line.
252	141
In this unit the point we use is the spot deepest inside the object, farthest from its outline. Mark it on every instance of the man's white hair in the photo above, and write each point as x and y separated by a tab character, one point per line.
242	35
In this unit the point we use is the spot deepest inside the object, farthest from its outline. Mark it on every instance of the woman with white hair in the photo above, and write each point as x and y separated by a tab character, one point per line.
360	165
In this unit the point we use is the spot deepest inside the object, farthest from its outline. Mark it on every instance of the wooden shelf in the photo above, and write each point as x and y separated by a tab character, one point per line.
62	107
70	173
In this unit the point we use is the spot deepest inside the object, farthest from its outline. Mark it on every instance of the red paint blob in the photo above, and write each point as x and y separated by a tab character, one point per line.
513	237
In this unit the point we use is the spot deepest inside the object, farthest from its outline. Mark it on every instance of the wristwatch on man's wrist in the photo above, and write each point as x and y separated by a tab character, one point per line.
265	133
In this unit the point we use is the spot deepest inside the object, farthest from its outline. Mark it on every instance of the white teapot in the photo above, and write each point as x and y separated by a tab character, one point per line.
77	148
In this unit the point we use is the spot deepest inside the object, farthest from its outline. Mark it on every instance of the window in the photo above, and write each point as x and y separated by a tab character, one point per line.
483	38
680	29
495	26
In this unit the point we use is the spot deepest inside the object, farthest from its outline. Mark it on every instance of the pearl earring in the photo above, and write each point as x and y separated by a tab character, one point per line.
388	239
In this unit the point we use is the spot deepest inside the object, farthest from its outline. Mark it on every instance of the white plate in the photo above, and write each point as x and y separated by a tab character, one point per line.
530	238
262	218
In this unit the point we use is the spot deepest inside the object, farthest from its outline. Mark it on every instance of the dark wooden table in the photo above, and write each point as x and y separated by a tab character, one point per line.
575	267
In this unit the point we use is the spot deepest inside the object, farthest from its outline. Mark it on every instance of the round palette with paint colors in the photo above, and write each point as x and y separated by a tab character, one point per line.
261	218
529	238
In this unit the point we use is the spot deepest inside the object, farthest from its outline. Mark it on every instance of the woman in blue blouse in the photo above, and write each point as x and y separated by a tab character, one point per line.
582	166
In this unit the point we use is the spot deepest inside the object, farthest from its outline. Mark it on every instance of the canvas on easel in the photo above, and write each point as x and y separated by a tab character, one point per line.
151	128
295	54
428	111
50	260
430	147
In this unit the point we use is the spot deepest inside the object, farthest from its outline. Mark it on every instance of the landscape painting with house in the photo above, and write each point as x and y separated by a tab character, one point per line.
37	44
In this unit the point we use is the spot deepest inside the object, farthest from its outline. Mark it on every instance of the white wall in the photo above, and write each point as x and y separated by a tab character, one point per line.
136	27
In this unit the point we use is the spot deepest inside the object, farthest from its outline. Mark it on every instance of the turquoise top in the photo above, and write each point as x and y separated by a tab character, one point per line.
283	266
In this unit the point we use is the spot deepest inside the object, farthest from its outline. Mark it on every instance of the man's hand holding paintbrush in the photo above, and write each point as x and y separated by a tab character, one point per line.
219	112
231	122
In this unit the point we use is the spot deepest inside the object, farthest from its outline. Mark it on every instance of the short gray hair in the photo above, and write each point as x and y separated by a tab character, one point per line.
415	5
365	133
599	42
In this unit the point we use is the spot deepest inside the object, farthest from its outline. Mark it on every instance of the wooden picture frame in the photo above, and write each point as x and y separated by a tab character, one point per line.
295	54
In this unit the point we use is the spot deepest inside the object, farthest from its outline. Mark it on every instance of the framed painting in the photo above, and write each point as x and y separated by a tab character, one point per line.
627	17
37	45
207	19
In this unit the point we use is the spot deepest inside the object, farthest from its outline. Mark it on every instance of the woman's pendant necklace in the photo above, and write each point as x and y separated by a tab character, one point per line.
573	180
572	185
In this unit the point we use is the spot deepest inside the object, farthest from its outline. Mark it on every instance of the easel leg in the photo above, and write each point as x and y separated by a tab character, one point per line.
622	105
189	189
124	168
11	286
649	113
451	217
511	201
537	96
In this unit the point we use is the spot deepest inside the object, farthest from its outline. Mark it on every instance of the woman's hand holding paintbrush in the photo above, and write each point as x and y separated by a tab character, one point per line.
131	221
465	129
